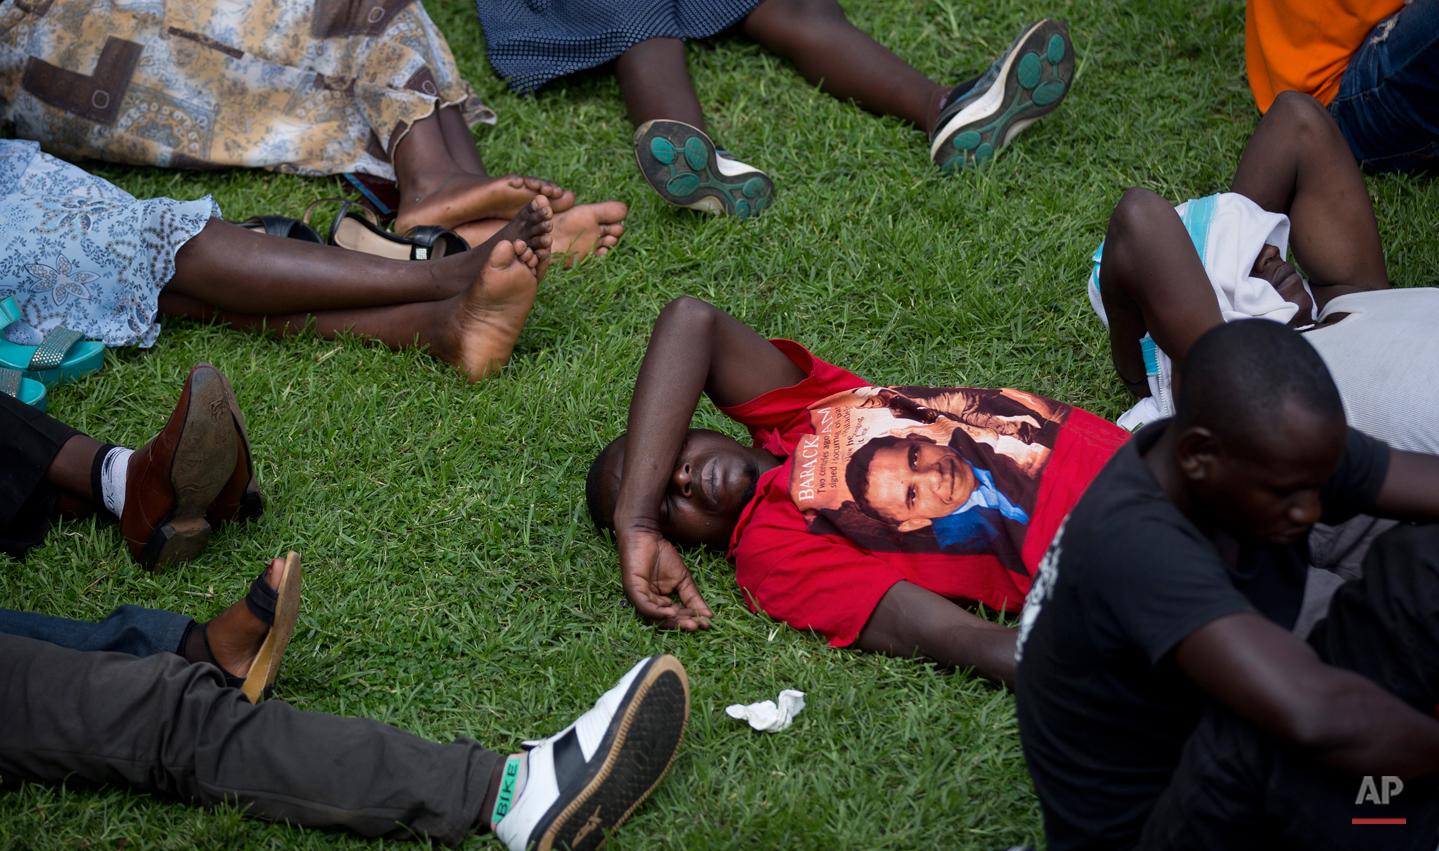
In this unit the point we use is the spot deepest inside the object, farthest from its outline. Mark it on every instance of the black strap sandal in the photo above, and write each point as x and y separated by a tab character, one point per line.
276	609
356	228
283	227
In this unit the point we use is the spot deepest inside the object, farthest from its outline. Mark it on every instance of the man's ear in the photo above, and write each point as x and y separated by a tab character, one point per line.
914	524
1197	451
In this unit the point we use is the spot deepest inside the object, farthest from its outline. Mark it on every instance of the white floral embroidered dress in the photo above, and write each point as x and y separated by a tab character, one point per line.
77	251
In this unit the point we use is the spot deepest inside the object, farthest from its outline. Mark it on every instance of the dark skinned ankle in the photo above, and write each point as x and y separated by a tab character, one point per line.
195	647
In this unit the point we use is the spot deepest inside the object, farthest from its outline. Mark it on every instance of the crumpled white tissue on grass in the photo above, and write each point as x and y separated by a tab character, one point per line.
768	717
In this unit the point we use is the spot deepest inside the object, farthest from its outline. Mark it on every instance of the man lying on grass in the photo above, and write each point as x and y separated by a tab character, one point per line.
1163	700
1164	276
860	512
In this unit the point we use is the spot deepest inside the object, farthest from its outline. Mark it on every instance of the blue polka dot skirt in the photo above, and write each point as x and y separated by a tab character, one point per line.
531	42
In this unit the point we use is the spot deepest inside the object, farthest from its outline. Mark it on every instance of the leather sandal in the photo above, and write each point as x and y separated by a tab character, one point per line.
357	229
283	611
14	383
283	227
61	355
278	610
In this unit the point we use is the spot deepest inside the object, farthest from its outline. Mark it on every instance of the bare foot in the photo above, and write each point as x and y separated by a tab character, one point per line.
462	197
586	229
479	232
532	226
236	635
486	320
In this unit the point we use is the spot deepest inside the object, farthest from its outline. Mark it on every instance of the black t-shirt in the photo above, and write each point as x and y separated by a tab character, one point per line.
1103	708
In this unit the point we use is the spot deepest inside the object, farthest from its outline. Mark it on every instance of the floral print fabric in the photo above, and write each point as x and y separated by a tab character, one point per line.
322	87
78	252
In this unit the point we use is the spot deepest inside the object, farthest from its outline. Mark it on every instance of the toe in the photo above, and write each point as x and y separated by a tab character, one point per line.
611	211
502	255
564	201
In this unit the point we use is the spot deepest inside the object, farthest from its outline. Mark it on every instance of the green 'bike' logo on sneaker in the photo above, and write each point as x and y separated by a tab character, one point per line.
507	789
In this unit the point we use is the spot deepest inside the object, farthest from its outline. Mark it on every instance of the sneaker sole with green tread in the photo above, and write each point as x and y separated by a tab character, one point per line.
1034	78
679	161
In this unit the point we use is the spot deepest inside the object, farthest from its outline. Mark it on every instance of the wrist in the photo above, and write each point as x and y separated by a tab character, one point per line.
630	523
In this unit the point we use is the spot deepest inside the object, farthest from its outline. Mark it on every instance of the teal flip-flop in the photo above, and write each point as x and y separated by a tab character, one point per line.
14	383
63	354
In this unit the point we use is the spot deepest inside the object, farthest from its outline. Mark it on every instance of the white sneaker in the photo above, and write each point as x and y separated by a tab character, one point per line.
585	780
681	163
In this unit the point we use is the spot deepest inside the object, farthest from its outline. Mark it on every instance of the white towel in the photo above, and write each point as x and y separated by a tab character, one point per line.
1229	231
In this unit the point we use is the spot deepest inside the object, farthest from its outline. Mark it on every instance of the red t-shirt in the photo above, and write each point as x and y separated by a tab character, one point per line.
957	490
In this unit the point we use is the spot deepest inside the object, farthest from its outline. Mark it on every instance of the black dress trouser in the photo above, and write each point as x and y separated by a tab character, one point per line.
1236	788
159	724
29	441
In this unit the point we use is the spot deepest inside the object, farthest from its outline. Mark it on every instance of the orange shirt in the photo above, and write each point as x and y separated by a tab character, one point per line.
1305	45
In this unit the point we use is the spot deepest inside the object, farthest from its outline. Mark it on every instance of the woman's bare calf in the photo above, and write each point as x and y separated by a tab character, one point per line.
467	309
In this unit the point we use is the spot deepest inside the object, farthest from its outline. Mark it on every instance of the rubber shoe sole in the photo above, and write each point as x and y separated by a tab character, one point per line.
639	746
679	161
1029	81
203	461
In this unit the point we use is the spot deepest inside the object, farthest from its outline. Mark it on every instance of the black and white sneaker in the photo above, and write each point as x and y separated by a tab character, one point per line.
585	780
686	168
1027	81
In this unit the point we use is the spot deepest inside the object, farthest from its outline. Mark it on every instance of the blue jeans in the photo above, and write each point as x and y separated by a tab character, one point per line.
1388	101
129	629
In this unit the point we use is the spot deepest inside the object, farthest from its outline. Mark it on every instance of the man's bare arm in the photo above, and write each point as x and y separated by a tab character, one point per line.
1278	682
910	619
1411	487
695	347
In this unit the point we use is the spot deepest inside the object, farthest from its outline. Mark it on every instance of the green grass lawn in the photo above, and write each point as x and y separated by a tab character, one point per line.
454	585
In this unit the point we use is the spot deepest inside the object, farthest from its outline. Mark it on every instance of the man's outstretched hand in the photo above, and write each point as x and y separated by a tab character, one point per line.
652	571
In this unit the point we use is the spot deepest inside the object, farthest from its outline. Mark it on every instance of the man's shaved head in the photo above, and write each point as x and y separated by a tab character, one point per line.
1240	378
1259	430
599	499
713	479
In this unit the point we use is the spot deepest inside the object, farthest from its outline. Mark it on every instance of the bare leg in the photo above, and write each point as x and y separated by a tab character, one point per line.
1152	280
1298	163
459	142
655	80
474	330
845	62
435	189
235	269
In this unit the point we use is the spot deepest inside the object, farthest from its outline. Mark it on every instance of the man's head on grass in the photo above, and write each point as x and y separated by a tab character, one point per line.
1258	430
713	479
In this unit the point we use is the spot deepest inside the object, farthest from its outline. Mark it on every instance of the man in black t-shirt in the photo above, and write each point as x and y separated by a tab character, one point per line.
1163	701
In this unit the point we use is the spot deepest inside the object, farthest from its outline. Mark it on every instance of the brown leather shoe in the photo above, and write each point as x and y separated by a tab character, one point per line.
240	499
172	480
